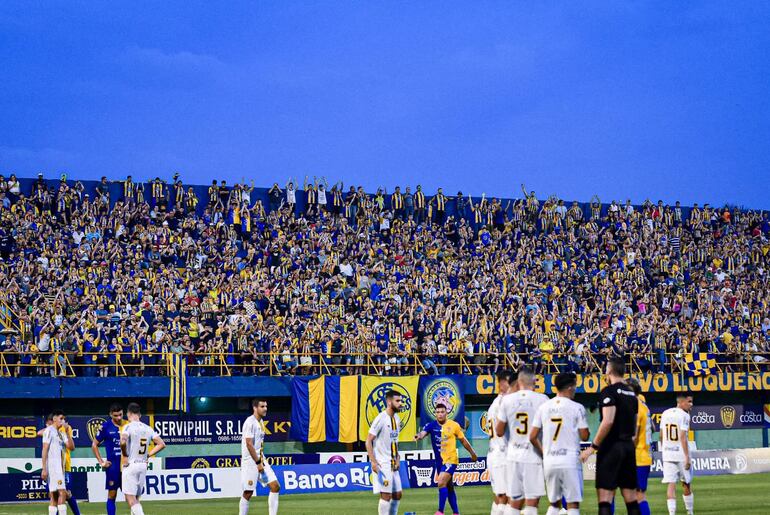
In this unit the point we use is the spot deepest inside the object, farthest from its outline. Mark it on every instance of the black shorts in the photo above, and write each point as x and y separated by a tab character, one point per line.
616	466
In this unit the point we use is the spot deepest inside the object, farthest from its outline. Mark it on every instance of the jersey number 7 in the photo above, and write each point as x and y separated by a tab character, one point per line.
558	421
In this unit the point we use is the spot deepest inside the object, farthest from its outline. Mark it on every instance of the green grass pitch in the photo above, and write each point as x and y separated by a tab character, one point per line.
741	495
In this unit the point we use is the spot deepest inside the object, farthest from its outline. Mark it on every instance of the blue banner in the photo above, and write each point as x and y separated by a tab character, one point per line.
32	488
343	477
214	462
446	390
19	431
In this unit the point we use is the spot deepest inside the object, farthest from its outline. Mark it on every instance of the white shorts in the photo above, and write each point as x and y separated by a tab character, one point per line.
564	482
56	479
133	478
250	475
673	472
525	480
386	481
498	474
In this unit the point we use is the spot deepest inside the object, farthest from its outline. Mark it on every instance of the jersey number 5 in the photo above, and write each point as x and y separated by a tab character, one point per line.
143	446
558	421
523	419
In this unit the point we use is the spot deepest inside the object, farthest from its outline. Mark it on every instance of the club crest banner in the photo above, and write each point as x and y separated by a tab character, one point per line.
373	390
446	390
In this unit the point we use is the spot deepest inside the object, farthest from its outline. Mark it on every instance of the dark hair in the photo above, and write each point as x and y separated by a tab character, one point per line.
134	408
683	395
565	380
257	401
617	366
437	406
49	417
392	393
634	384
505	375
115	406
56	413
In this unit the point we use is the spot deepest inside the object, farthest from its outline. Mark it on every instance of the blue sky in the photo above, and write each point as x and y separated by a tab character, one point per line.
666	100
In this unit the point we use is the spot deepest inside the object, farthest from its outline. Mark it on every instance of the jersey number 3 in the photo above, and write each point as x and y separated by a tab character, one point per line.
523	419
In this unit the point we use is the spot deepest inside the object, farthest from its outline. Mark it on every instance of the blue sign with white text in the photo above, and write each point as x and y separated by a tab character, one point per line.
342	477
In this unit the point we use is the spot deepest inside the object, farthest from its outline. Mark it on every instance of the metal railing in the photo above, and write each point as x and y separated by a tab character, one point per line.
119	364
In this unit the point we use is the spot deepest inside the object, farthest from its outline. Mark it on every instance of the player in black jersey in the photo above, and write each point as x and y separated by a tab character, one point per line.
614	442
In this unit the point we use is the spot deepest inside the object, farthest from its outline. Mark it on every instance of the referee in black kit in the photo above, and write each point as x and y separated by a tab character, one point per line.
614	442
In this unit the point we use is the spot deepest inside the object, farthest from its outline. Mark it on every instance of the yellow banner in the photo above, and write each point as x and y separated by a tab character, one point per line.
373	390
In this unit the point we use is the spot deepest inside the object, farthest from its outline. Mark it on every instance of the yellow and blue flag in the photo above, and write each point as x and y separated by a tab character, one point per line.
700	363
373	390
177	374
324	409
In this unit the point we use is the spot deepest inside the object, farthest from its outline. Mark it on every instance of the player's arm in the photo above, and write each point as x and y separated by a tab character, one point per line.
95	449
370	451
534	439
419	436
253	452
469	448
500	424
44	456
683	430
608	418
159	445
124	444
70	441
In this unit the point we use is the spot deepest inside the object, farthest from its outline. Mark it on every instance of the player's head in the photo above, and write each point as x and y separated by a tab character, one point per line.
393	400
504	380
684	401
616	369
134	411
49	419
57	417
441	413
526	379
259	407
566	383
514	383
116	412
635	386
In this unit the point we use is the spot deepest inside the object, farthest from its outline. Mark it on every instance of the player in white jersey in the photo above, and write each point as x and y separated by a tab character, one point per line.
54	444
523	464
563	425
135	441
254	466
497	444
382	448
674	427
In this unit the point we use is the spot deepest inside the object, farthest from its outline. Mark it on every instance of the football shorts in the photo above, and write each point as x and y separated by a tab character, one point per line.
133	478
525	480
673	472
564	482
386	481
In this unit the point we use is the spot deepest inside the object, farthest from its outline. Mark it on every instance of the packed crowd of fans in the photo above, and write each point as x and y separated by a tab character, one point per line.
318	279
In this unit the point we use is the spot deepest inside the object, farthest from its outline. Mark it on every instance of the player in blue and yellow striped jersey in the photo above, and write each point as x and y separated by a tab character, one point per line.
444	434
643	447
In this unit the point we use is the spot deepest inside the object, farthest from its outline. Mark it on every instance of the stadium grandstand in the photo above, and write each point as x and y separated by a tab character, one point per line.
110	278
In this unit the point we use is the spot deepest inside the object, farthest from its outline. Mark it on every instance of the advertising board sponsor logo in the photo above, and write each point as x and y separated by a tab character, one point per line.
361	457
204	462
32	488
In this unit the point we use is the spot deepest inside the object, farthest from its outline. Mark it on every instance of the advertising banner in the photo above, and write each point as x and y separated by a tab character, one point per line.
707	463
446	390
35	465
658	383
727	416
169	485
373	390
218	462
422	473
32	488
211	429
343	477
361	457
19	432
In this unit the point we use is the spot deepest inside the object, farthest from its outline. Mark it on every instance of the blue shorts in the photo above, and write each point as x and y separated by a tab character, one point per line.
449	468
113	479
67	482
642	474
